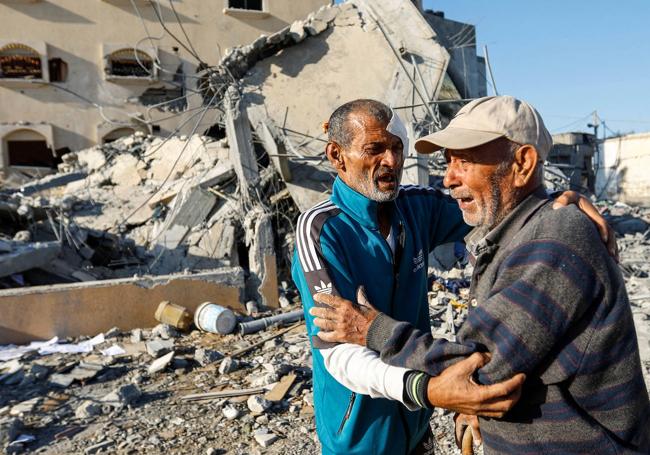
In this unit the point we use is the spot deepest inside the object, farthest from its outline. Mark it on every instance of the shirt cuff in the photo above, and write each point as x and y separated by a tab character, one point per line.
380	331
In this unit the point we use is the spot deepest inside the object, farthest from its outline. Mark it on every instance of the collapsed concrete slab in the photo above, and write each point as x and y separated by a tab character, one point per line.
42	312
28	256
322	71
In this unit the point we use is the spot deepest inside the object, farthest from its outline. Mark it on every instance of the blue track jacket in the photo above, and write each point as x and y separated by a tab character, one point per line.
338	248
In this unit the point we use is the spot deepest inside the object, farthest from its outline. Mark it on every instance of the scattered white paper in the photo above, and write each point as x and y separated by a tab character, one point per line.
113	350
79	348
11	351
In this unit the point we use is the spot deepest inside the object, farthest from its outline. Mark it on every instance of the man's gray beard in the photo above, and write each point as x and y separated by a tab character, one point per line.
370	189
495	212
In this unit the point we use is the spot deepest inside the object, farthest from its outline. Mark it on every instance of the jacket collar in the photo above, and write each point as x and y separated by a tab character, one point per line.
356	205
481	240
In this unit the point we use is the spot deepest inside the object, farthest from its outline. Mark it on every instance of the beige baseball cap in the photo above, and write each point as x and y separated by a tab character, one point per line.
489	118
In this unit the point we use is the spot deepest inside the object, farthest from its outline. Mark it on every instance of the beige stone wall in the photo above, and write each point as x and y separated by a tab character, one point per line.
80	32
623	169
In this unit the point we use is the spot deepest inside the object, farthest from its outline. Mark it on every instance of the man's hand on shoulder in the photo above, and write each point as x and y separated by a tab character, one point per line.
343	321
606	232
454	389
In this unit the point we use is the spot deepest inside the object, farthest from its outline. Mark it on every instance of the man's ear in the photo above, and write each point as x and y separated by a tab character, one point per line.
525	165
335	156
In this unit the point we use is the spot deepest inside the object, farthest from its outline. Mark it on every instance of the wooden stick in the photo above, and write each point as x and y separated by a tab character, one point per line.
468	442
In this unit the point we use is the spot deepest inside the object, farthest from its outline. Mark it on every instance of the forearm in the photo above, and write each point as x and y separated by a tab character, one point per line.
362	371
404	345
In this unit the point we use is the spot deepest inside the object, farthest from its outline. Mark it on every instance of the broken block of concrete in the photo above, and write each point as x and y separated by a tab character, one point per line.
125	170
161	363
87	409
264	438
122	396
258	404
263	282
28	256
159	347
206	356
228	365
240	142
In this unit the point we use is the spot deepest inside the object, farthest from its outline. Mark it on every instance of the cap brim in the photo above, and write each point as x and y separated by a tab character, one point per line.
455	139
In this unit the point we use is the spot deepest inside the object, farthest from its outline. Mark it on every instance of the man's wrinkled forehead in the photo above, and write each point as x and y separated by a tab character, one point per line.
395	126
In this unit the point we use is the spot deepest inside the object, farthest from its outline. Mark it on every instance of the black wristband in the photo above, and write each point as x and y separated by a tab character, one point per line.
415	389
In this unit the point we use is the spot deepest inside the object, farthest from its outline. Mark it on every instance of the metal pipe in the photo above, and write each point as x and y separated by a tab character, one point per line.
246	328
489	67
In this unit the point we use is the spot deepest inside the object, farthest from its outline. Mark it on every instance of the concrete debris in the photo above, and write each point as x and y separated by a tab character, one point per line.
228	365
230	412
161	363
88	409
264	438
159	347
258	404
124	226
122	396
206	356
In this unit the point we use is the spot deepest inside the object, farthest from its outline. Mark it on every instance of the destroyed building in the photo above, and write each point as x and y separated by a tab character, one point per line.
218	212
78	74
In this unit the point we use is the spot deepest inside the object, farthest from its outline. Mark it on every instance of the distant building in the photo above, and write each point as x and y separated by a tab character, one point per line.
573	154
466	68
74	73
622	169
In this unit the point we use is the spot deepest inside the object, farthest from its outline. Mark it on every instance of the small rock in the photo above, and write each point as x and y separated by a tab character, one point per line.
122	396
158	347
112	333
24	407
258	404
136	336
88	409
315	26
284	301
165	331
251	308
61	380
264	438
297	31
207	356
230	412
228	365
161	363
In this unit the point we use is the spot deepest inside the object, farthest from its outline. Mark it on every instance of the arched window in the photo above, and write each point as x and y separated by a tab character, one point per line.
124	63
28	148
116	134
18	61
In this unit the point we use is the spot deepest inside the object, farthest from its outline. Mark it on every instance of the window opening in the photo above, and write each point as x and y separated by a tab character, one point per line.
18	61
124	63
255	5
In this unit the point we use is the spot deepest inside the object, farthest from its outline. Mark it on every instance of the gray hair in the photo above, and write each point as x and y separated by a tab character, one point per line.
339	130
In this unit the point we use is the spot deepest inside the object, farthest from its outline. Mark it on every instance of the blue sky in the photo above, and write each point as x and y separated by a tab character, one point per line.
567	58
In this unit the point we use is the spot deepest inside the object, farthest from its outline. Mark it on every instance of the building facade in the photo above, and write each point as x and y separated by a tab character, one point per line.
622	169
77	73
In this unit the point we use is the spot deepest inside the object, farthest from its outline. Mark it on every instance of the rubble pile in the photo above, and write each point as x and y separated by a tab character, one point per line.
139	205
158	390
